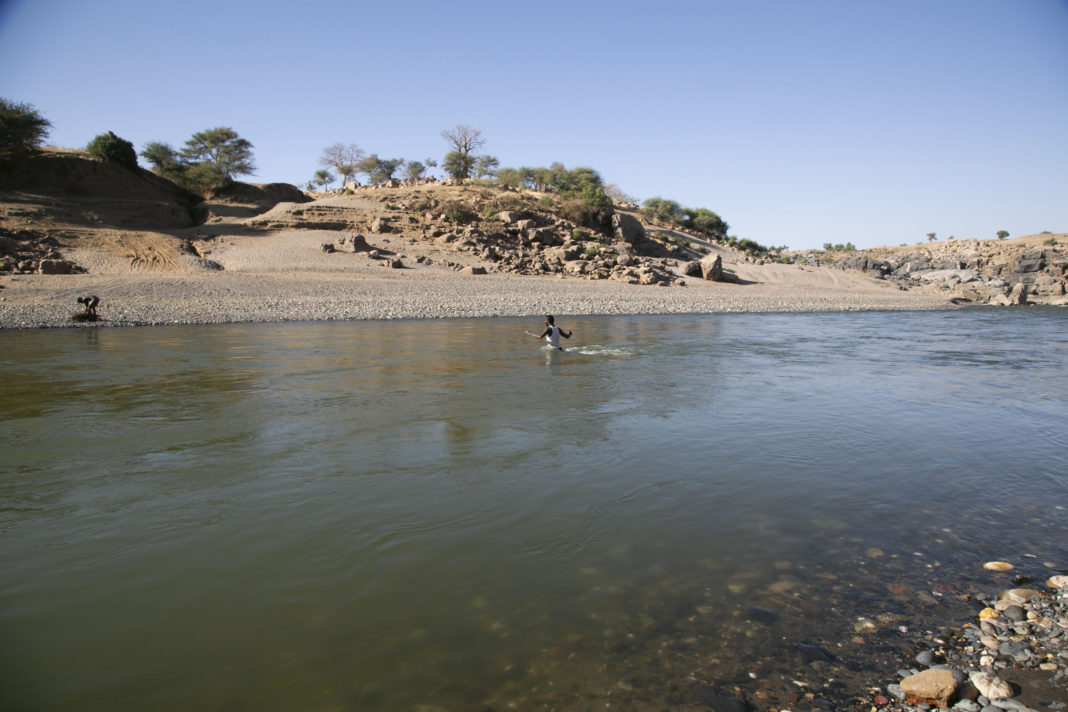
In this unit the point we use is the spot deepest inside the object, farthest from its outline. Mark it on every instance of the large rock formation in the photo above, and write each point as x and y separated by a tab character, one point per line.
995	272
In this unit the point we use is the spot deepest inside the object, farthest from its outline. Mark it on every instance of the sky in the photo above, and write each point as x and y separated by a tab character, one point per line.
800	122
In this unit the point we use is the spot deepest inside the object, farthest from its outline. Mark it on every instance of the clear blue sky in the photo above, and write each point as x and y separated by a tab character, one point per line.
800	122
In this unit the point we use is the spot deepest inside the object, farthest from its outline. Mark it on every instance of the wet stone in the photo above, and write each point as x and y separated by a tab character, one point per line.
719	701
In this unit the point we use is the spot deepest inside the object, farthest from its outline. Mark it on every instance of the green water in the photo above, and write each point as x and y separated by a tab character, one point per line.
419	515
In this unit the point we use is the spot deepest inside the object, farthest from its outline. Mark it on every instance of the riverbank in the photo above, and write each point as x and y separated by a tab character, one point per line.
43	301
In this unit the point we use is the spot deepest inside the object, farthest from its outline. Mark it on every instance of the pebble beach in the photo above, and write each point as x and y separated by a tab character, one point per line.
376	292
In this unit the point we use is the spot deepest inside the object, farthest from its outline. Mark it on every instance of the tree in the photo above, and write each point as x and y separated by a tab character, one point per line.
458	165
931	237
164	160
323	178
414	170
707	222
112	148
216	156
664	210
1002	234
22	128
510	178
465	140
379	170
486	166
342	159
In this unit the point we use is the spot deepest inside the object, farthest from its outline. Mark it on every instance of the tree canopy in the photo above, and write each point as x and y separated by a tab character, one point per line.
210	158
22	127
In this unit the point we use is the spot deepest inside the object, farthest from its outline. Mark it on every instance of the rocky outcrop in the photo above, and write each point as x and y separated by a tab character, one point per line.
32	252
989	271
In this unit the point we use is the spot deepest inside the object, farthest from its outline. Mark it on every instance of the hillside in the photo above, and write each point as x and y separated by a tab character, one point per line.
64	211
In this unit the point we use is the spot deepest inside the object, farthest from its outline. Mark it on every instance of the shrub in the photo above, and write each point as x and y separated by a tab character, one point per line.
578	212
22	128
1051	241
579	235
112	148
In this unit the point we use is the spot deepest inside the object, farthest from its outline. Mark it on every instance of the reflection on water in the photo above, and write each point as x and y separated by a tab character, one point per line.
383	515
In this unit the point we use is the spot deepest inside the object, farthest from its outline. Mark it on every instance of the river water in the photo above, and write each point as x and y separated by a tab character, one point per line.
442	515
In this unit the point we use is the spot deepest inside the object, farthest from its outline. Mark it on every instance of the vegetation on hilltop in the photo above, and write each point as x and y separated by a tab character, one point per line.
210	159
22	127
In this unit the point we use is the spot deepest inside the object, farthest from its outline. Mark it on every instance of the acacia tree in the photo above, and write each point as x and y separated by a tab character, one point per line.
464	140
1002	234
217	155
22	128
343	159
486	166
379	170
414	170
931	237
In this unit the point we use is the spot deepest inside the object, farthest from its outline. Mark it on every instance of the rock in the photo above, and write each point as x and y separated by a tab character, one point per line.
1018	295
988	613
991	686
1019	595
474	270
352	243
925	658
627	228
712	268
933	687
1057	581
1014	613
997	566
508	216
327	247
967	706
381	225
719	701
55	267
394	264
759	614
8	246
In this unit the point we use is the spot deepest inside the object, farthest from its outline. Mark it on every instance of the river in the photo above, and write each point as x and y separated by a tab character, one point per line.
443	515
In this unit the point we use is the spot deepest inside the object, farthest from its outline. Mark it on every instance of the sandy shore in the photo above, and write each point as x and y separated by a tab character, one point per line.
286	276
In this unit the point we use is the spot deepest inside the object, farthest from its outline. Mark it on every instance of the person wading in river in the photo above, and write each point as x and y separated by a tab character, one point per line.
551	333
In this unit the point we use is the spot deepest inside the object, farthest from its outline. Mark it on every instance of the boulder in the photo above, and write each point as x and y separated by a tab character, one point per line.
627	228
352	243
381	225
712	268
55	267
8	246
474	270
508	217
933	687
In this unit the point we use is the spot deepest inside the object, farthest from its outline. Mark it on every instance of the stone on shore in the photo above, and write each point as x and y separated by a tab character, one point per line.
991	686
934	687
997	566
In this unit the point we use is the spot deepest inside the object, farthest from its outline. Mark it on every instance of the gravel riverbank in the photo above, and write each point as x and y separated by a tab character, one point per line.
36	301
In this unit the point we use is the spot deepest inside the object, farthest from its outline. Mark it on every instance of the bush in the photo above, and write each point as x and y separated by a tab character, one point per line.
578	212
112	148
1051	241
22	128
